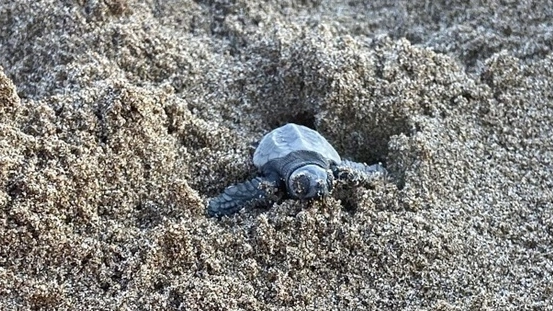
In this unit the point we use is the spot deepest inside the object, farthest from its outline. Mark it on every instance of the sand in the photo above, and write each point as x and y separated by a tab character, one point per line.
119	119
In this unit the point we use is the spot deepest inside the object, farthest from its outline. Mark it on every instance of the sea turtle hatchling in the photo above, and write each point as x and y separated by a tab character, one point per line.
298	160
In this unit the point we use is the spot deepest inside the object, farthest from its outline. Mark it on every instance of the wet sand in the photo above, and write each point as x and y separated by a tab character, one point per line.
120	119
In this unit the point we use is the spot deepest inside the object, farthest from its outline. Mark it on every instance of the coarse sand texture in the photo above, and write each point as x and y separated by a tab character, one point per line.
120	119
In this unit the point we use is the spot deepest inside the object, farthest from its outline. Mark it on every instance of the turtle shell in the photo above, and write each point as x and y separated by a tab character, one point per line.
289	138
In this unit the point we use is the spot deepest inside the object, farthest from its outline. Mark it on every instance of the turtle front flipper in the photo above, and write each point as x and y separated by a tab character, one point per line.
359	173
251	193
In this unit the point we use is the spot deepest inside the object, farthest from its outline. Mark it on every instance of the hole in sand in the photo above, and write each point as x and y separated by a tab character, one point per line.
303	118
366	140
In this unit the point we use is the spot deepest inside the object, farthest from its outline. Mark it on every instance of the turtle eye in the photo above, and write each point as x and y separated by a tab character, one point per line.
321	188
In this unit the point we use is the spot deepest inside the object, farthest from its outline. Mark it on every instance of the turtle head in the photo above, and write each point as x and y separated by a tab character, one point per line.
309	182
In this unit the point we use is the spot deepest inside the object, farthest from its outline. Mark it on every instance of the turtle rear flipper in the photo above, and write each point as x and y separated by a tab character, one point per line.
251	193
358	172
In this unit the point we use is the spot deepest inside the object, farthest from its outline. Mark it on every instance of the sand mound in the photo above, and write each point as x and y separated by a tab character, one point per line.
119	119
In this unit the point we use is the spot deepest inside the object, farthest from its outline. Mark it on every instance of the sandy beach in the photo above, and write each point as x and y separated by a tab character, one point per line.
120	119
